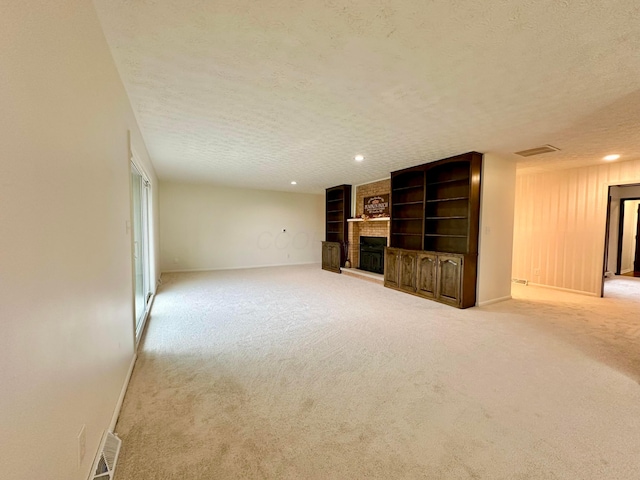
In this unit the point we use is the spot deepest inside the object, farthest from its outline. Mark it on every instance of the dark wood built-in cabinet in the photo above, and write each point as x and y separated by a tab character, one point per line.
435	211
338	210
331	256
438	276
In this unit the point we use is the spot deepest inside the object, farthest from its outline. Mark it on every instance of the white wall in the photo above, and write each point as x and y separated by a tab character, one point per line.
629	236
560	224
66	302
207	227
496	229
617	193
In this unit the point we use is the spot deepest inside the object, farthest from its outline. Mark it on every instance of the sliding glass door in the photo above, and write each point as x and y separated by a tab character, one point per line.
142	290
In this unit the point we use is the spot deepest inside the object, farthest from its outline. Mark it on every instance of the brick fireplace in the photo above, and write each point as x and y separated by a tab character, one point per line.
369	228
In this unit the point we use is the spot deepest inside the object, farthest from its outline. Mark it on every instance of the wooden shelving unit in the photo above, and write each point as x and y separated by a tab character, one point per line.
338	210
448	206
435	211
407	206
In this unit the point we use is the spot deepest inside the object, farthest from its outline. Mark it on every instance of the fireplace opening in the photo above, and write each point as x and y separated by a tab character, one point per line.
372	254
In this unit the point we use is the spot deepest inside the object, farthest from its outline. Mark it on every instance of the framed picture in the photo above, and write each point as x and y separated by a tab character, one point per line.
376	206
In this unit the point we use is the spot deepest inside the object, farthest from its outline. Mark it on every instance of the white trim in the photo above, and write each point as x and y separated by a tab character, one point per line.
354	207
373	181
568	290
378	219
622	272
135	159
147	312
493	300
212	269
125	385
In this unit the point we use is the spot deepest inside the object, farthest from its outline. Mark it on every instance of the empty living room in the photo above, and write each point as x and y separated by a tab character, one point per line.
319	240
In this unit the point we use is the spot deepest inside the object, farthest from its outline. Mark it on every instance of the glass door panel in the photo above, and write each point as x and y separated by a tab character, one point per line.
142	291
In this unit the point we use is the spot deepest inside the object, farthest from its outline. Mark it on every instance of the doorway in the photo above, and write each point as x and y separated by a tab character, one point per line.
141	266
622	237
628	261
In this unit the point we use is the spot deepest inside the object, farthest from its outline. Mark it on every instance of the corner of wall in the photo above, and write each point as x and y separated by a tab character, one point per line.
496	229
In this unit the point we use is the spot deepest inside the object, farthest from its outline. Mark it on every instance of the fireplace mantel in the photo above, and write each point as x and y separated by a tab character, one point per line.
379	219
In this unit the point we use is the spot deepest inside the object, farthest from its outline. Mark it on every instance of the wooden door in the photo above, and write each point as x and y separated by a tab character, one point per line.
407	277
426	274
391	256
448	279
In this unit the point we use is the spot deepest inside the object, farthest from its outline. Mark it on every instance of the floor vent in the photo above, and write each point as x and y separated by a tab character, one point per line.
107	457
537	151
520	281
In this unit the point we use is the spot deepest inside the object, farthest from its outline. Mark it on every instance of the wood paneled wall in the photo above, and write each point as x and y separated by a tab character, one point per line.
560	220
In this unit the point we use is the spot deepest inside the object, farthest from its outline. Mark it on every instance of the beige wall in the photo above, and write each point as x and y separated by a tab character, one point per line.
65	257
205	227
496	229
560	224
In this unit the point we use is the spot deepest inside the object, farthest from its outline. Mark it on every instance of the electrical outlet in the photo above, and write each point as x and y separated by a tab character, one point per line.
536	272
176	260
82	444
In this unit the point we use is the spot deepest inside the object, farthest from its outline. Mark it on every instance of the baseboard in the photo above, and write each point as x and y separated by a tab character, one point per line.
568	290
187	270
116	412
493	300
628	270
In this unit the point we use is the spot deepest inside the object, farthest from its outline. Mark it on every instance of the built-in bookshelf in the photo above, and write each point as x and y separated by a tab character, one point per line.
338	210
435	218
447	207
435	206
407	208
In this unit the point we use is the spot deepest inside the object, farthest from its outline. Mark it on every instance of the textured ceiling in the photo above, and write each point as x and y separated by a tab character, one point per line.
259	93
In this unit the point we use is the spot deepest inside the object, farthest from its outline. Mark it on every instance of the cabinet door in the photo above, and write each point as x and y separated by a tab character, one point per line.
335	257
407	277
391	258
331	256
427	274
448	279
326	256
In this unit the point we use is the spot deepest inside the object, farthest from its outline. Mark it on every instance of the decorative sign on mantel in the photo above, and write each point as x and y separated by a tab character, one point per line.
376	206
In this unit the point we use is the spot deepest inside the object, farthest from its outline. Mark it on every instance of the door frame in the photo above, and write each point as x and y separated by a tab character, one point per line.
636	260
621	232
606	240
607	194
149	294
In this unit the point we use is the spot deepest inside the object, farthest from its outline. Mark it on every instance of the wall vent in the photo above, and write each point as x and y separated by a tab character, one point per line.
105	464
537	151
520	281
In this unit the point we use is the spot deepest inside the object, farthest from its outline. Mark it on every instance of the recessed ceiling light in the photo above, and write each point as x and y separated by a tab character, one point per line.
359	158
610	158
294	183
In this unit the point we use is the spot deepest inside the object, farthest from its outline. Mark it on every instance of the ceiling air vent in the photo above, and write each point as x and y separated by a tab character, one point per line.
537	151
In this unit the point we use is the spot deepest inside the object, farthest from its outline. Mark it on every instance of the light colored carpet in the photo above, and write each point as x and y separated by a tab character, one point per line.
298	373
